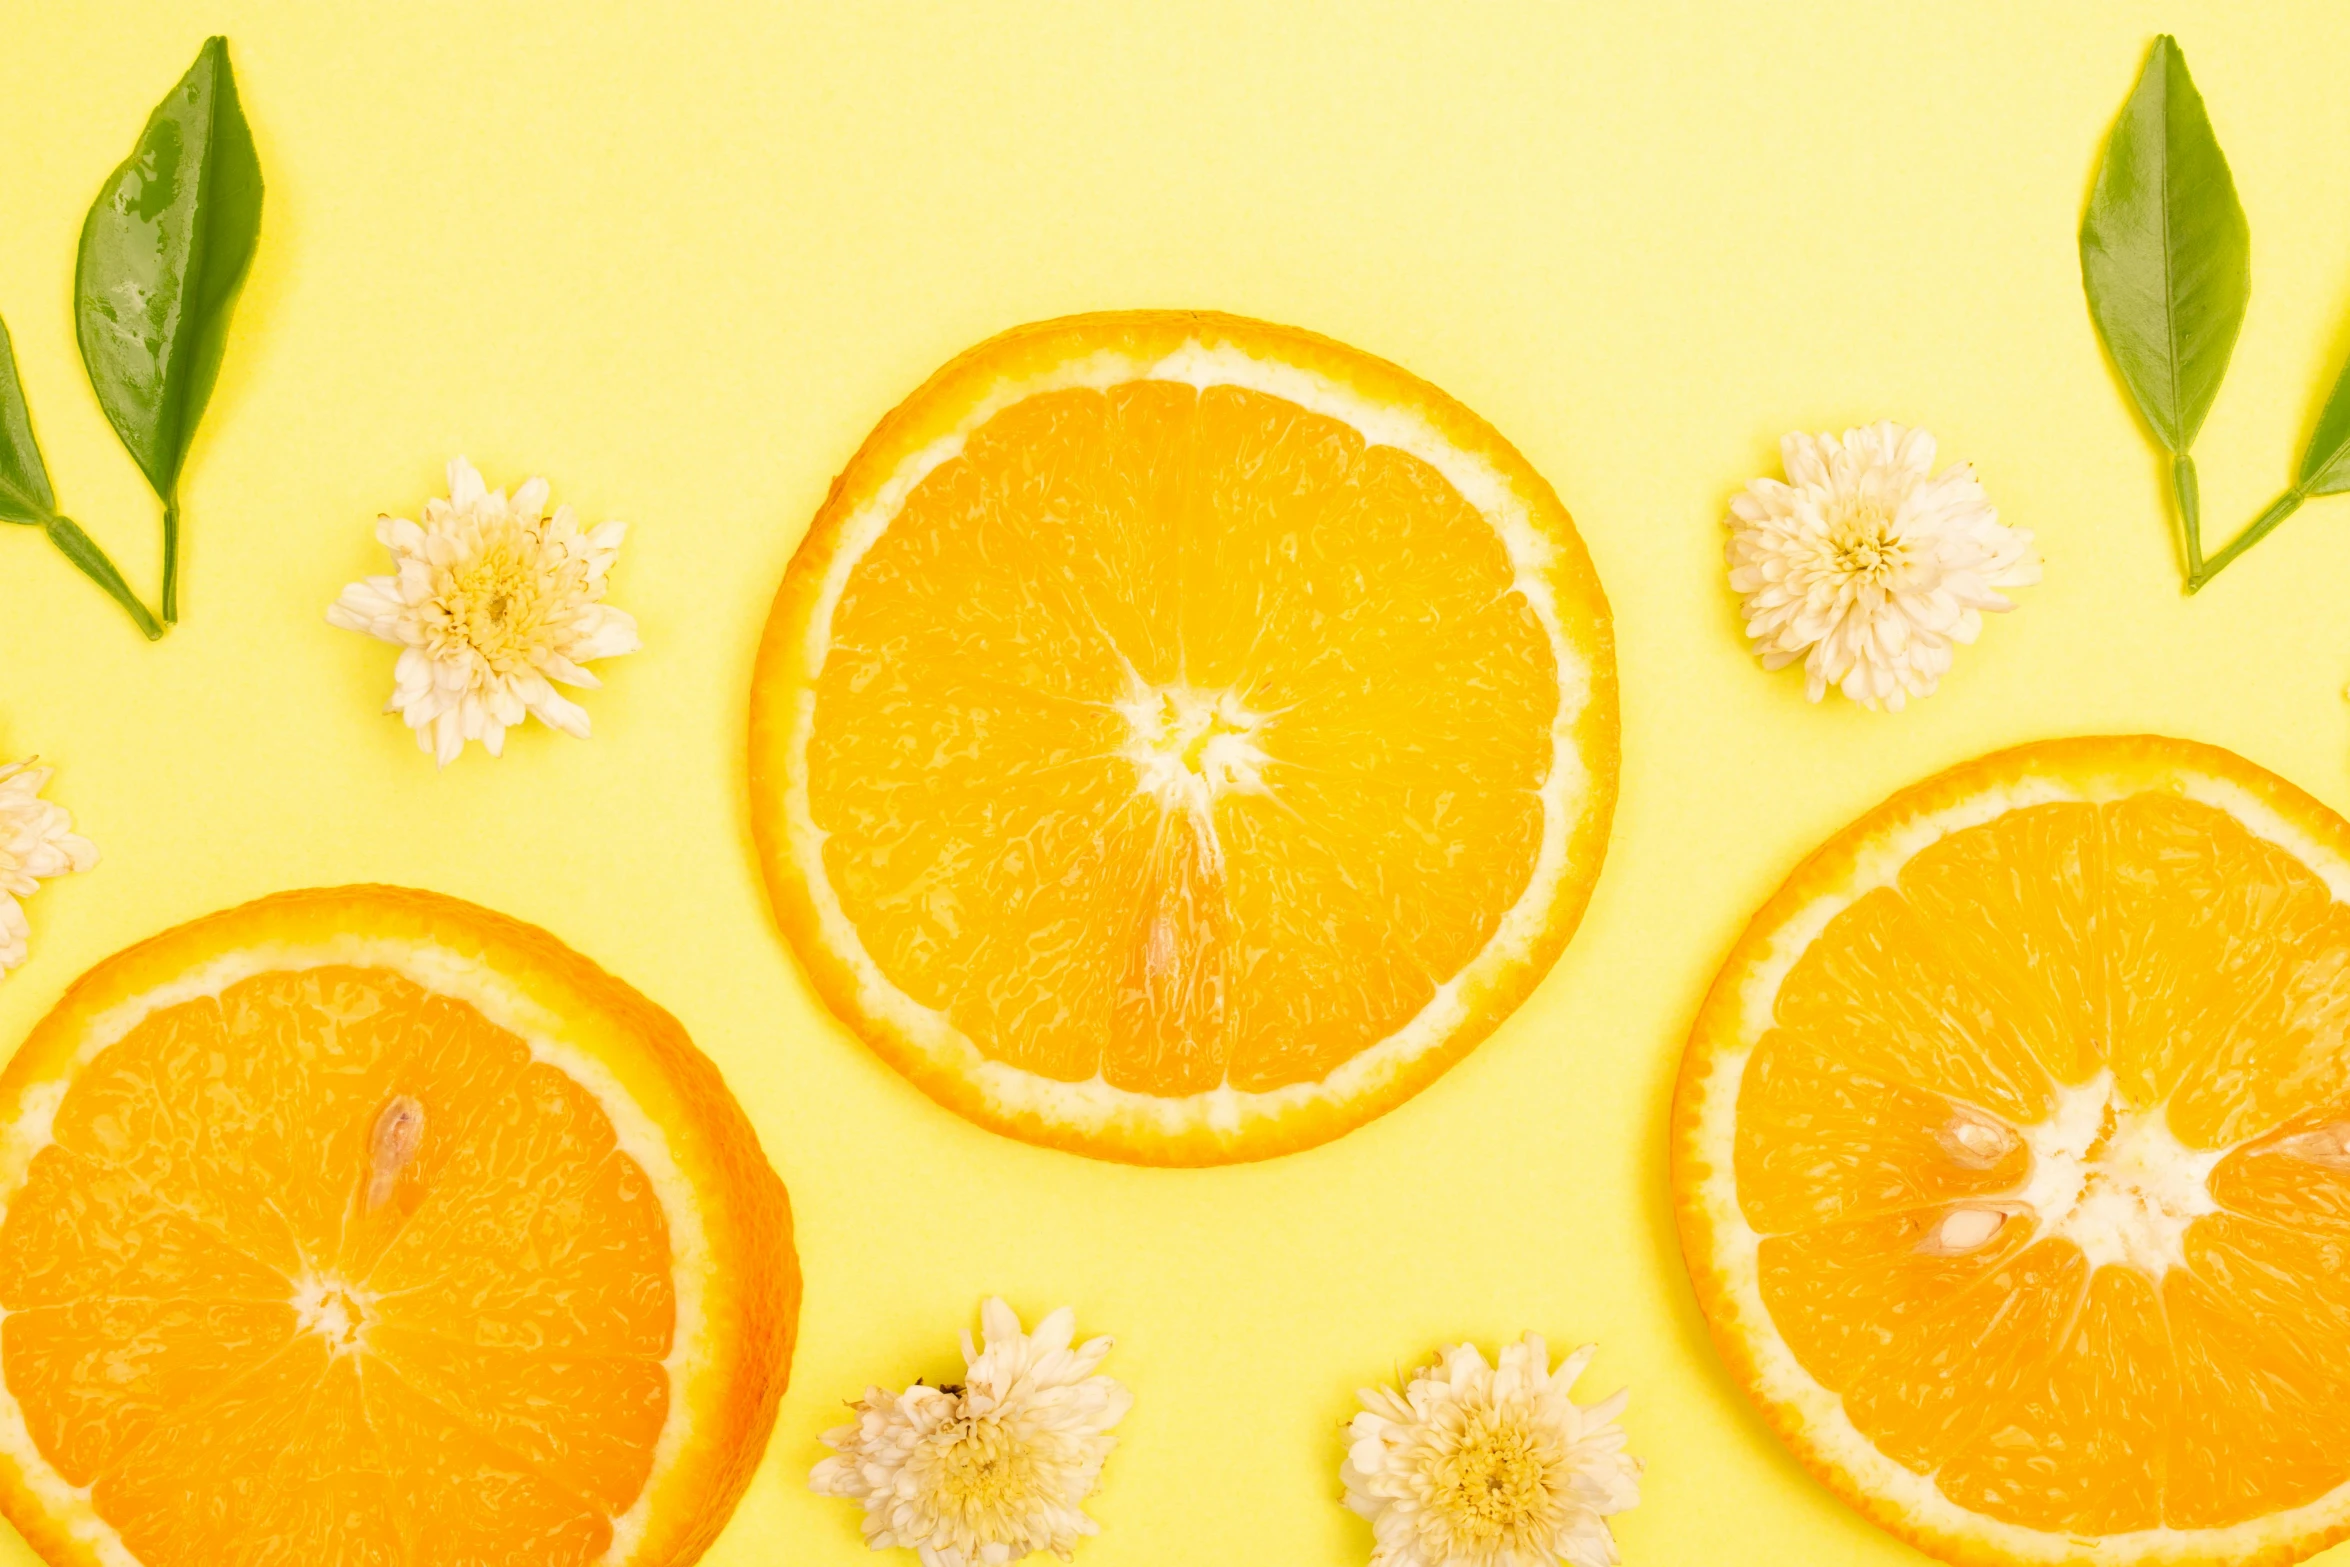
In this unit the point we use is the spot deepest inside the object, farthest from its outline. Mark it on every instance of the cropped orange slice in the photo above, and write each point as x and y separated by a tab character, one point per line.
365	1226
2012	1159
1179	738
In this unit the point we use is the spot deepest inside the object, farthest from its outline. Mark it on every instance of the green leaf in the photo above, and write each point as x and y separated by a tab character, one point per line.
2166	256
84	552
164	249
25	495
2325	462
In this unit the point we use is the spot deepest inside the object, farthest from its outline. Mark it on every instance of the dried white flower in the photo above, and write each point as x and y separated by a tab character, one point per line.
1482	1466
1868	565
36	840
491	602
992	1470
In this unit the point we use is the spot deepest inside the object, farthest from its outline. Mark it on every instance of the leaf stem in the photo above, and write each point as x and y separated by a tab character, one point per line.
171	557
2189	495
2260	527
84	552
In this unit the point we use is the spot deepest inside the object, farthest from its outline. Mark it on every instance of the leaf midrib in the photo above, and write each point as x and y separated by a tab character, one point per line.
185	341
2170	292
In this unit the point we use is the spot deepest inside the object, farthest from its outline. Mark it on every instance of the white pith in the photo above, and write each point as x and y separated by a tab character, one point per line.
1095	1105
333	1308
1191	747
2130	1206
2110	1178
502	1002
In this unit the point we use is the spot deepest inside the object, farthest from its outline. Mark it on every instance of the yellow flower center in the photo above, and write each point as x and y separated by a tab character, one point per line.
495	603
1864	546
1493	1485
985	1475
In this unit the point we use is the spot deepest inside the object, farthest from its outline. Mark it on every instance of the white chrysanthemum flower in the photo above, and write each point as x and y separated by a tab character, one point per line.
1868	565
990	1471
36	840
491	603
1490	1466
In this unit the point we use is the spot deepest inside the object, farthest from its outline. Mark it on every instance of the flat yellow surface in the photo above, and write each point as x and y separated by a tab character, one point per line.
679	258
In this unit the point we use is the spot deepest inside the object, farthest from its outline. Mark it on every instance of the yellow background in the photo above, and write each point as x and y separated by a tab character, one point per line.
680	257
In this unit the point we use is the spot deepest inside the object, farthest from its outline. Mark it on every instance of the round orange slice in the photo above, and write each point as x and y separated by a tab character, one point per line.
365	1226
1179	739
2012	1160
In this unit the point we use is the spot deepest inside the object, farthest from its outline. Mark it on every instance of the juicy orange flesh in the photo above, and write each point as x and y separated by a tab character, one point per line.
987	833
2209	971
209	1326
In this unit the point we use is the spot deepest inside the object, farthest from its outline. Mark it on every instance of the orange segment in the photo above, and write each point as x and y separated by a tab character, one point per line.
97	1376
2297	1177
461	1488
365	1226
592	1421
2078	1446
2282	1050
2259	1425
80	1230
1179	738
1820	1140
2012	1160
1847	1292
1879	989
1948	1373
202	1485
2016	908
2202	920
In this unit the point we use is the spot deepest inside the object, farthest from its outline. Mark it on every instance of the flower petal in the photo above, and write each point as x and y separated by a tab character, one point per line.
465	487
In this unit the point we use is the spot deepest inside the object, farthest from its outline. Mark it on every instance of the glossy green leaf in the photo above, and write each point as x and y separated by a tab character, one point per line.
163	249
2166	256
84	552
2325	462
25	495
2325	470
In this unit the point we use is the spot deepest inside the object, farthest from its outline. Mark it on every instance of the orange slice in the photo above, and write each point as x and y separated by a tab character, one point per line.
2012	1160
1179	738
365	1226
